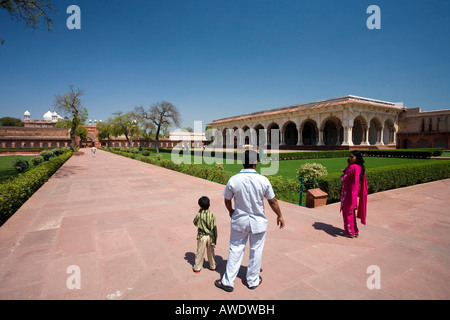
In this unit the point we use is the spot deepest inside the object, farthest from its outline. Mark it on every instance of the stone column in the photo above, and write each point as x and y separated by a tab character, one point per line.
380	136
348	129
394	137
365	141
320	138
299	139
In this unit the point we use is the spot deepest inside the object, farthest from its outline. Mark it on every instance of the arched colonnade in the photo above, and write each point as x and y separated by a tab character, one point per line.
331	131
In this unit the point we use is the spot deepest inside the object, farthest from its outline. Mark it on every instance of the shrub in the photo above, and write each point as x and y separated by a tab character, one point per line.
221	176
311	172
282	185
37	160
46	154
20	165
57	152
13	193
149	160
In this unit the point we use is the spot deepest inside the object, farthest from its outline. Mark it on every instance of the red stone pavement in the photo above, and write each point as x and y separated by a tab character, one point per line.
127	227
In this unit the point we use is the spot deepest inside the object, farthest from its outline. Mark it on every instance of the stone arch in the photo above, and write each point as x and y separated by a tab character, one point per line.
309	132
260	134
359	131
374	131
406	144
244	135
270	127
290	133
440	142
389	132
234	136
423	143
333	131
229	136
90	137
224	136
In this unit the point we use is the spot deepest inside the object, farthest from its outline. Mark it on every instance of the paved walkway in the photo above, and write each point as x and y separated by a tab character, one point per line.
127	226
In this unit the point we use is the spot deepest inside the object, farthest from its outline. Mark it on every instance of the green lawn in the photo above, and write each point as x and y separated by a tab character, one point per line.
7	169
288	168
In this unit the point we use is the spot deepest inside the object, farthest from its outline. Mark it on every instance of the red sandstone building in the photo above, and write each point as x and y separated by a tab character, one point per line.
424	129
42	133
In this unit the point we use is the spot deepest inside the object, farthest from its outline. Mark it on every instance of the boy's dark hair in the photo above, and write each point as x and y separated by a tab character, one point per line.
250	158
203	202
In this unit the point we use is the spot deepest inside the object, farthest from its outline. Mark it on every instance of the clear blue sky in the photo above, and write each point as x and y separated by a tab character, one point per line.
219	58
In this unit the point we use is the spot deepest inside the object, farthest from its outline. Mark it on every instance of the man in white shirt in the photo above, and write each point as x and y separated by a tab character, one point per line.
248	221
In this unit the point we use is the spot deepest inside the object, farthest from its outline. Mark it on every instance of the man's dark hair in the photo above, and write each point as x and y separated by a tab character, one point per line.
203	202
250	158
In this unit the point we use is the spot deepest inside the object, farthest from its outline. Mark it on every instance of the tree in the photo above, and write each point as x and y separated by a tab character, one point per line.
146	127
11	122
80	131
70	103
30	11
105	131
160	114
124	124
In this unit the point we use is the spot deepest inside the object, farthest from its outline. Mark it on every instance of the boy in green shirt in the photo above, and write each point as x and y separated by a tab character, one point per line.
205	221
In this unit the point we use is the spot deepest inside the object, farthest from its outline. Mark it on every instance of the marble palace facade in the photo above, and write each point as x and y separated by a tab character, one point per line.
338	123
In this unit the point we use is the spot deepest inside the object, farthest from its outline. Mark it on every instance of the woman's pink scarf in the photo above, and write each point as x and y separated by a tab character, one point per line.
362	206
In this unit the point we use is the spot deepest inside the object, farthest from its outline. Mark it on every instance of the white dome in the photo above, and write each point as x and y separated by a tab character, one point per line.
27	113
47	115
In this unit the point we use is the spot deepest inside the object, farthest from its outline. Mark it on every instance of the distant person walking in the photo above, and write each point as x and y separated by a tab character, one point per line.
93	149
352	178
248	221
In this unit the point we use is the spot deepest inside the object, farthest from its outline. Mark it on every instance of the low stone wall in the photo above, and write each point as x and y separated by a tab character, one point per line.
19	152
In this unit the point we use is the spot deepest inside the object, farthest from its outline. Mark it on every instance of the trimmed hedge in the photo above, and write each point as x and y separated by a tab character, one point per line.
309	155
15	192
405	153
212	174
392	177
397	153
423	153
378	179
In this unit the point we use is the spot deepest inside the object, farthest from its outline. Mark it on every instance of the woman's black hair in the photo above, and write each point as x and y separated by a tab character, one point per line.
360	162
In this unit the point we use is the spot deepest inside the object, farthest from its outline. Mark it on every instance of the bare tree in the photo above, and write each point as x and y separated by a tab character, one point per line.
70	103
159	114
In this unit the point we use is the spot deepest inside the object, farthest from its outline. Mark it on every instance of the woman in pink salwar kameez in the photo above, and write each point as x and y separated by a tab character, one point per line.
352	178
